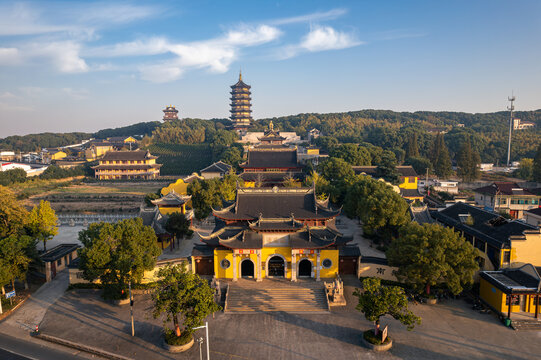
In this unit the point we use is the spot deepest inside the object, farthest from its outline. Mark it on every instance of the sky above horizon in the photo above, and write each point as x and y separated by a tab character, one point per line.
88	65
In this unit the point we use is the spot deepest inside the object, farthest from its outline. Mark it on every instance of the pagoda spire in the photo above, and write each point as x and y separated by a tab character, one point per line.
241	113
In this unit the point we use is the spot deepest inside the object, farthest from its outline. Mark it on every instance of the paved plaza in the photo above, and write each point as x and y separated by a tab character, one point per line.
449	331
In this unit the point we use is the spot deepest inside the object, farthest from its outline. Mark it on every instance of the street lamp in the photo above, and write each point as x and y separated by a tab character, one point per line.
200	341
206	326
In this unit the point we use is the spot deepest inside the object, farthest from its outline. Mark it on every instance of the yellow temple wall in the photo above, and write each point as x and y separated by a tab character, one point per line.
333	270
220	272
406	184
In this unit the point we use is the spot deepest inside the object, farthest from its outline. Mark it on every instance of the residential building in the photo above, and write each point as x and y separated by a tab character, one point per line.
500	242
272	233
216	170
313	134
97	149
486	166
450	187
50	155
533	216
408	179
170	113
521	125
507	197
126	165
7	155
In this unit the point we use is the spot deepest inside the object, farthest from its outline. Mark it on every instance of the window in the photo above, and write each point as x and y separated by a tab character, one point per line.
327	263
225	264
59	262
515	300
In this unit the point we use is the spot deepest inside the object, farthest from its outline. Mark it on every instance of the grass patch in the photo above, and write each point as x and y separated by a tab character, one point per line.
369	336
182	159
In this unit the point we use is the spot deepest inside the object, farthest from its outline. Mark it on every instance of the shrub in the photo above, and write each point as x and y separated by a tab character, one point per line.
369	336
172	339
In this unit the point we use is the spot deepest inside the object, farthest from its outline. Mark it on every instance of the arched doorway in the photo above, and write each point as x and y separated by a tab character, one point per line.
247	268
305	268
276	267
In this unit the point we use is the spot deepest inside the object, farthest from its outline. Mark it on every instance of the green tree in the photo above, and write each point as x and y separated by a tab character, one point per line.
352	154
439	156
525	169
12	176
13	260
387	167
149	197
412	147
178	225
536	171
381	210
377	301
181	293
468	161
322	185
13	216
339	174
430	254
42	223
419	164
117	254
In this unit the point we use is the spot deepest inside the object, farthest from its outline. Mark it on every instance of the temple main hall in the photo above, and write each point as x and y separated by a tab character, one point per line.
272	233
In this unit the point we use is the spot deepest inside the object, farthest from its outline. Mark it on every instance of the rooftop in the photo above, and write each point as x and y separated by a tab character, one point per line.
172	199
503	188
405	170
487	226
59	252
276	203
219	167
271	157
536	211
514	280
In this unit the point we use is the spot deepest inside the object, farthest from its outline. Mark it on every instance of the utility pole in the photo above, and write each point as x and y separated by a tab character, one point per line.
510	108
206	326
131	309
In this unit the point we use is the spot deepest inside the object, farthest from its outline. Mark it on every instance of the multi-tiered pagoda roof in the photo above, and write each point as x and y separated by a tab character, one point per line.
296	212
241	113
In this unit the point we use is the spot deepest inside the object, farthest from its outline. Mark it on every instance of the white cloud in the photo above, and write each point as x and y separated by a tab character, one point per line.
9	56
78	94
64	55
215	55
323	38
317	16
320	38
7	95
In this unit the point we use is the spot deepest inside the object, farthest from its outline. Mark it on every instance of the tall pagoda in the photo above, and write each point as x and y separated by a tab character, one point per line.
241	113
170	113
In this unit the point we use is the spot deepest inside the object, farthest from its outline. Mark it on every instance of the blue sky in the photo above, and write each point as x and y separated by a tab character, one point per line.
83	66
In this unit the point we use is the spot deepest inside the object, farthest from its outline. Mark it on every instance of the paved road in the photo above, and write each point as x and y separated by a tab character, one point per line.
12	348
15	342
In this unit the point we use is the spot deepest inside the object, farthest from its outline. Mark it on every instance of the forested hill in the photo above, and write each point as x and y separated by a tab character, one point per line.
35	142
388	129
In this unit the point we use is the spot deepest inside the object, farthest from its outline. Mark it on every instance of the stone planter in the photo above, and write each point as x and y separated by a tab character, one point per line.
382	347
121	302
177	348
431	301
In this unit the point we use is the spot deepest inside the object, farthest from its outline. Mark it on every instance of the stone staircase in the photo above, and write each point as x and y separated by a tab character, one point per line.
526	324
304	296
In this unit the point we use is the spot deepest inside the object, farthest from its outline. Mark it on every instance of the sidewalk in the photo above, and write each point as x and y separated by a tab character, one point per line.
33	310
351	227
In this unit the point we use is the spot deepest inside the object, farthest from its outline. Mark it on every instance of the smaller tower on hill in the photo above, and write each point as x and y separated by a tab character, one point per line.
170	113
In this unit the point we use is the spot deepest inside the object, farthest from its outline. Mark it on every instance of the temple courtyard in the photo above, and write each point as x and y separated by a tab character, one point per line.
451	330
